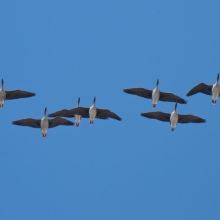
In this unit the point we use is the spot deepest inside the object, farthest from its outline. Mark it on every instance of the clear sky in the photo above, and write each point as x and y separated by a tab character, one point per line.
111	170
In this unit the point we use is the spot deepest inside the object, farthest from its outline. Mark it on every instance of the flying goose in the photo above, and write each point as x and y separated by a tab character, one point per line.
94	112
15	94
43	123
155	95
68	113
173	118
213	90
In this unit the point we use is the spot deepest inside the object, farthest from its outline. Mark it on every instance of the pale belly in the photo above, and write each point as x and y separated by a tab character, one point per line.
215	92
44	125
2	96
173	119
77	119
92	113
155	96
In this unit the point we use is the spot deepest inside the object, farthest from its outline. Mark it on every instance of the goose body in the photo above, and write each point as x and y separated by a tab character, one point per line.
2	96
173	118
15	94
77	119
155	95
43	123
92	112
213	90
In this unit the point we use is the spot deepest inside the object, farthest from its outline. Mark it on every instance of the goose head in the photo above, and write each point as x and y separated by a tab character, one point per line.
157	82
78	101
94	100
217	77
45	111
175	107
2	83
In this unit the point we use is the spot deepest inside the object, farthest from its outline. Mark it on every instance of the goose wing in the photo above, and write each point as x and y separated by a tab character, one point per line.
161	116
146	93
59	121
170	97
190	119
202	87
17	94
78	111
105	114
61	113
34	123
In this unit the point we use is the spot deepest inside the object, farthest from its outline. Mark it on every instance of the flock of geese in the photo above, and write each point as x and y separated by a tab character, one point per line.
94	112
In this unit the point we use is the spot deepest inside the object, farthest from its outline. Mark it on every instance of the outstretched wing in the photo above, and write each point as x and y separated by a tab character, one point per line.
30	122
202	87
61	113
139	92
59	121
170	97
190	119
17	94
105	114
78	111
161	116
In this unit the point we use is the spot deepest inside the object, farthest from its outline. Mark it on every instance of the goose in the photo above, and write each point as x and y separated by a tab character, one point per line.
68	113
213	90
173	118
43	123
94	112
15	94
155	95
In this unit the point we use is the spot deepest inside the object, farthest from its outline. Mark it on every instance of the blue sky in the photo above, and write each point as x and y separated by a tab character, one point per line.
133	169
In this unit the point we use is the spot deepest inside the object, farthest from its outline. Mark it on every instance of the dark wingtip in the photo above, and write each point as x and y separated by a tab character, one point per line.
126	90
14	123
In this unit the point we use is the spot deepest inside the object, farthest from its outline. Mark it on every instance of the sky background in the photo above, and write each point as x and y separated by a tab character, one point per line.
133	169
